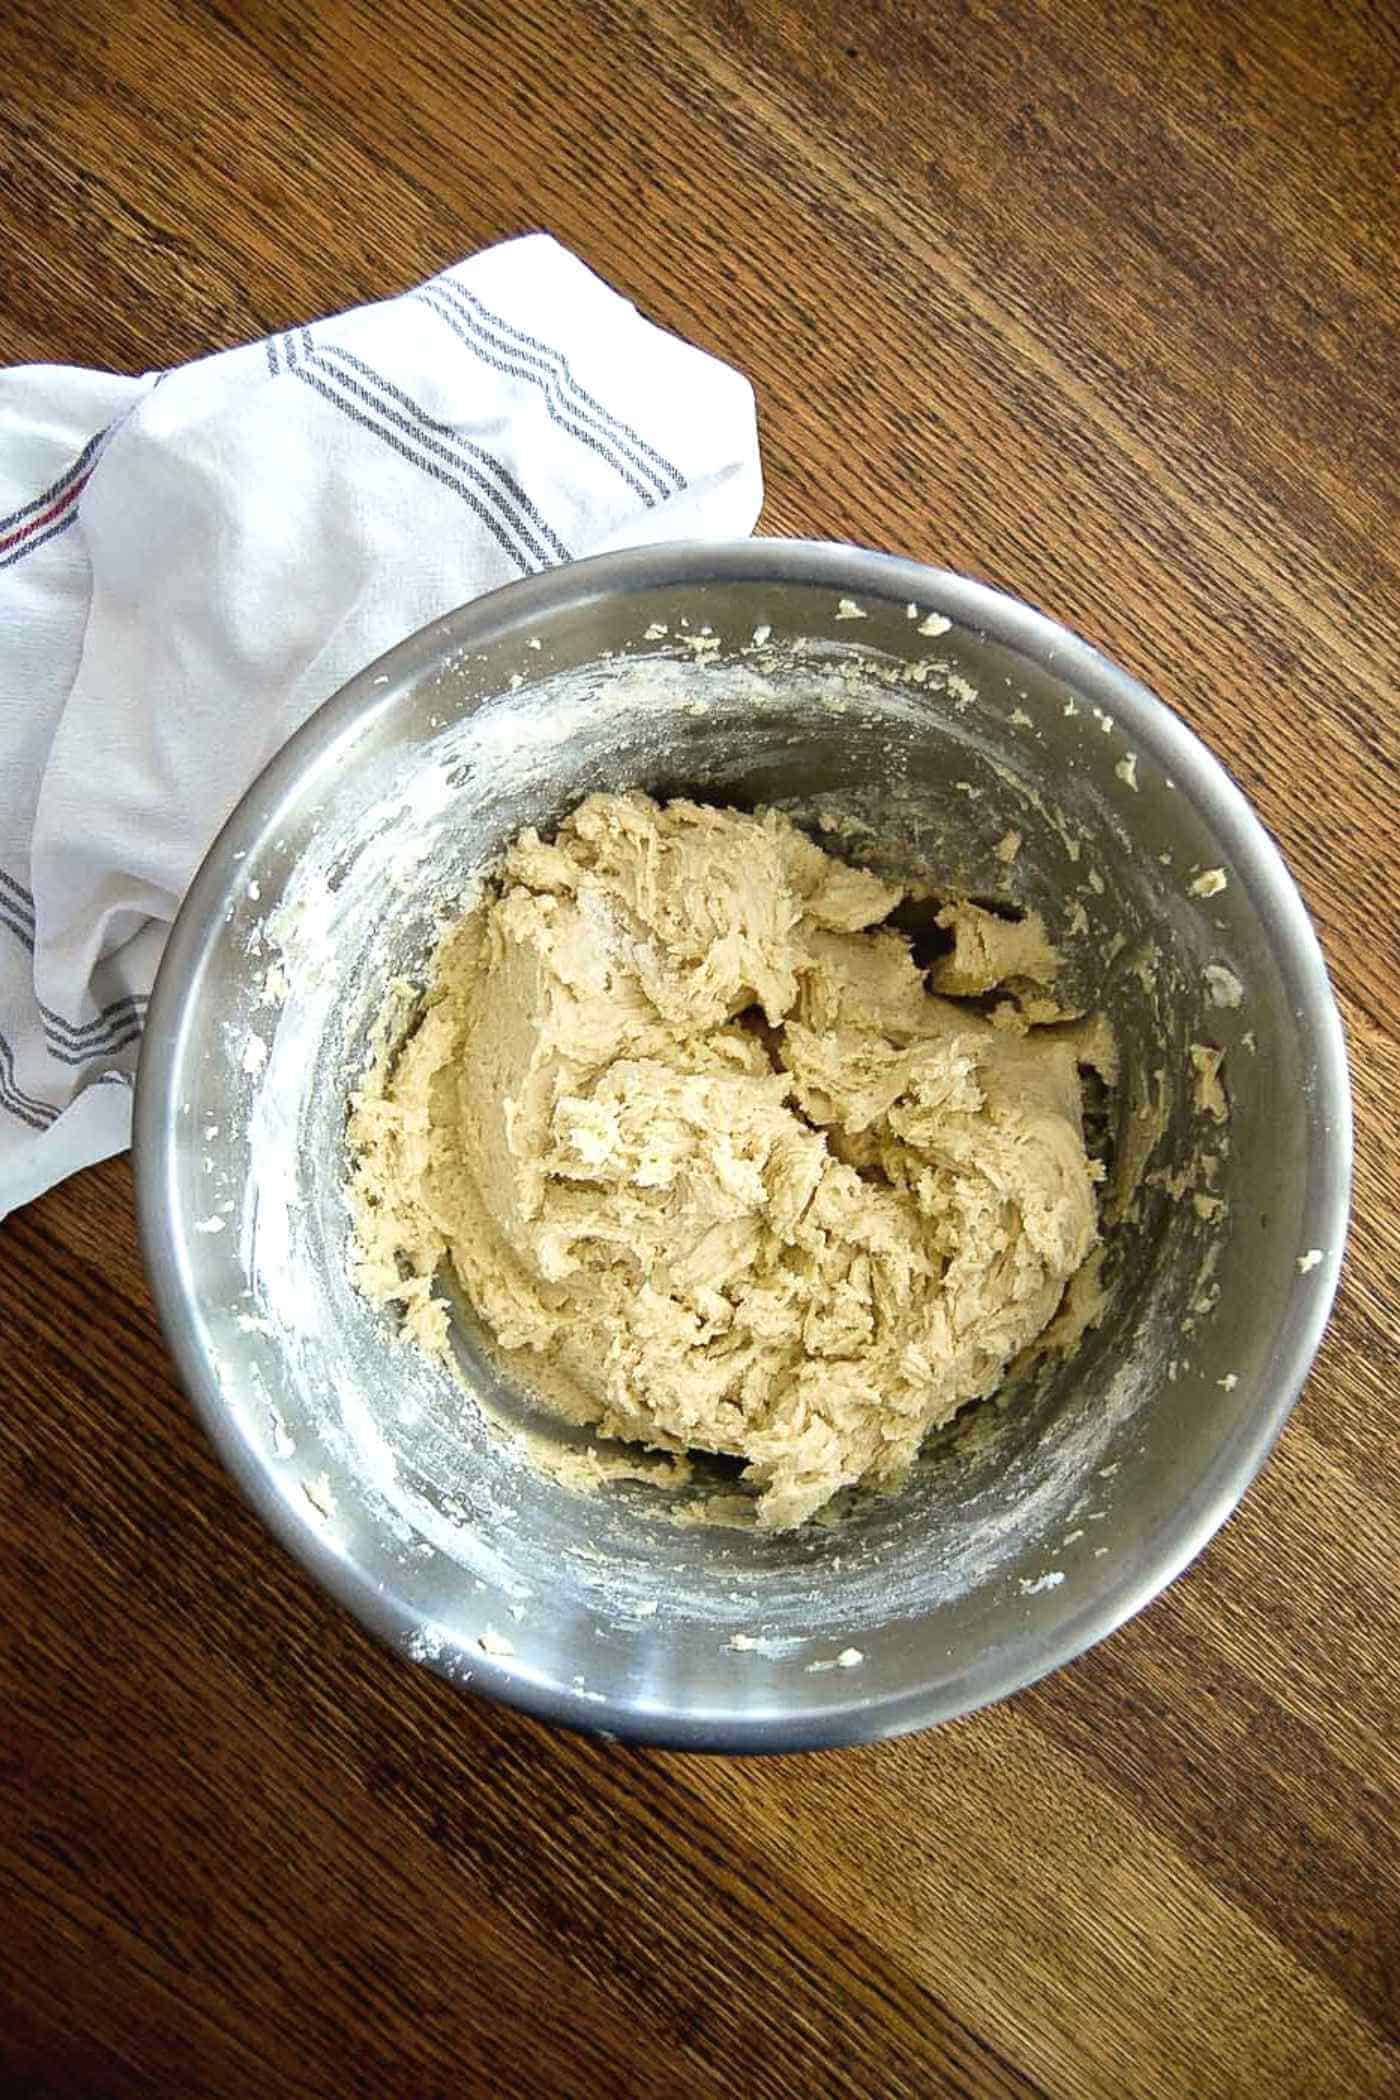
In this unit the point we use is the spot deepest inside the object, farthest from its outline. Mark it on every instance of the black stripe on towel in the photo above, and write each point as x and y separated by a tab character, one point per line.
40	539
21	901
549	368
556	410
55	488
37	1114
443	441
415	457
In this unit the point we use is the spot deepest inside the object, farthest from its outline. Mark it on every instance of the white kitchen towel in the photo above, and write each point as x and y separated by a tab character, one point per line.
192	561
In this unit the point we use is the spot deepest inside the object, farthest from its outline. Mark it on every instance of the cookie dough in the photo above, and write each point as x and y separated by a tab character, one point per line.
715	1166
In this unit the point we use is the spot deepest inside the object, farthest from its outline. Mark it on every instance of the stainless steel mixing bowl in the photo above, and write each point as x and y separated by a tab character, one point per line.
809	676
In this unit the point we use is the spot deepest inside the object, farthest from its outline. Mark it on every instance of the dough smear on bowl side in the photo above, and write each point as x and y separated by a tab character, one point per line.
719	1166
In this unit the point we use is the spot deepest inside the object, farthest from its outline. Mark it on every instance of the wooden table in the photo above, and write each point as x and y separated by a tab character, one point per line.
1096	302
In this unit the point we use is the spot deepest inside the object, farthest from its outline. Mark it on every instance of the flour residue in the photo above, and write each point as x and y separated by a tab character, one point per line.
424	1477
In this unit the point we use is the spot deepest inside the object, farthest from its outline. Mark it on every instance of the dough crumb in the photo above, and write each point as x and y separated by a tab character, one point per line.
1126	769
847	609
934	624
989	951
318	1493
846	1660
492	1643
1209	883
1309	1261
1207	1091
1007	847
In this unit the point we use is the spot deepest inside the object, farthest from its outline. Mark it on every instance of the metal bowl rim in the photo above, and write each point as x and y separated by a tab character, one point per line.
997	617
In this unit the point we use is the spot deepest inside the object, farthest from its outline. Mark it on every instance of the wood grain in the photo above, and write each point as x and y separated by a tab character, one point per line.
1098	302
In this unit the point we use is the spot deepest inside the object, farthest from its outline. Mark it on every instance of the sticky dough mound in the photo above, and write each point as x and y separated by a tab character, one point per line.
716	1163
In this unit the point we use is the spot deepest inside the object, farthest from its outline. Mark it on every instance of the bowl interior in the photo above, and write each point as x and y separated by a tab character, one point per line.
1027	1528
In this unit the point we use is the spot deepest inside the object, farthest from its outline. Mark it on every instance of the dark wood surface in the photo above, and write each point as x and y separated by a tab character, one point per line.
1099	302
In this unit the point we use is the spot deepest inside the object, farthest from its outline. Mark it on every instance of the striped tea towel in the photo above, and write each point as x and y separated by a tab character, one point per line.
190	562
